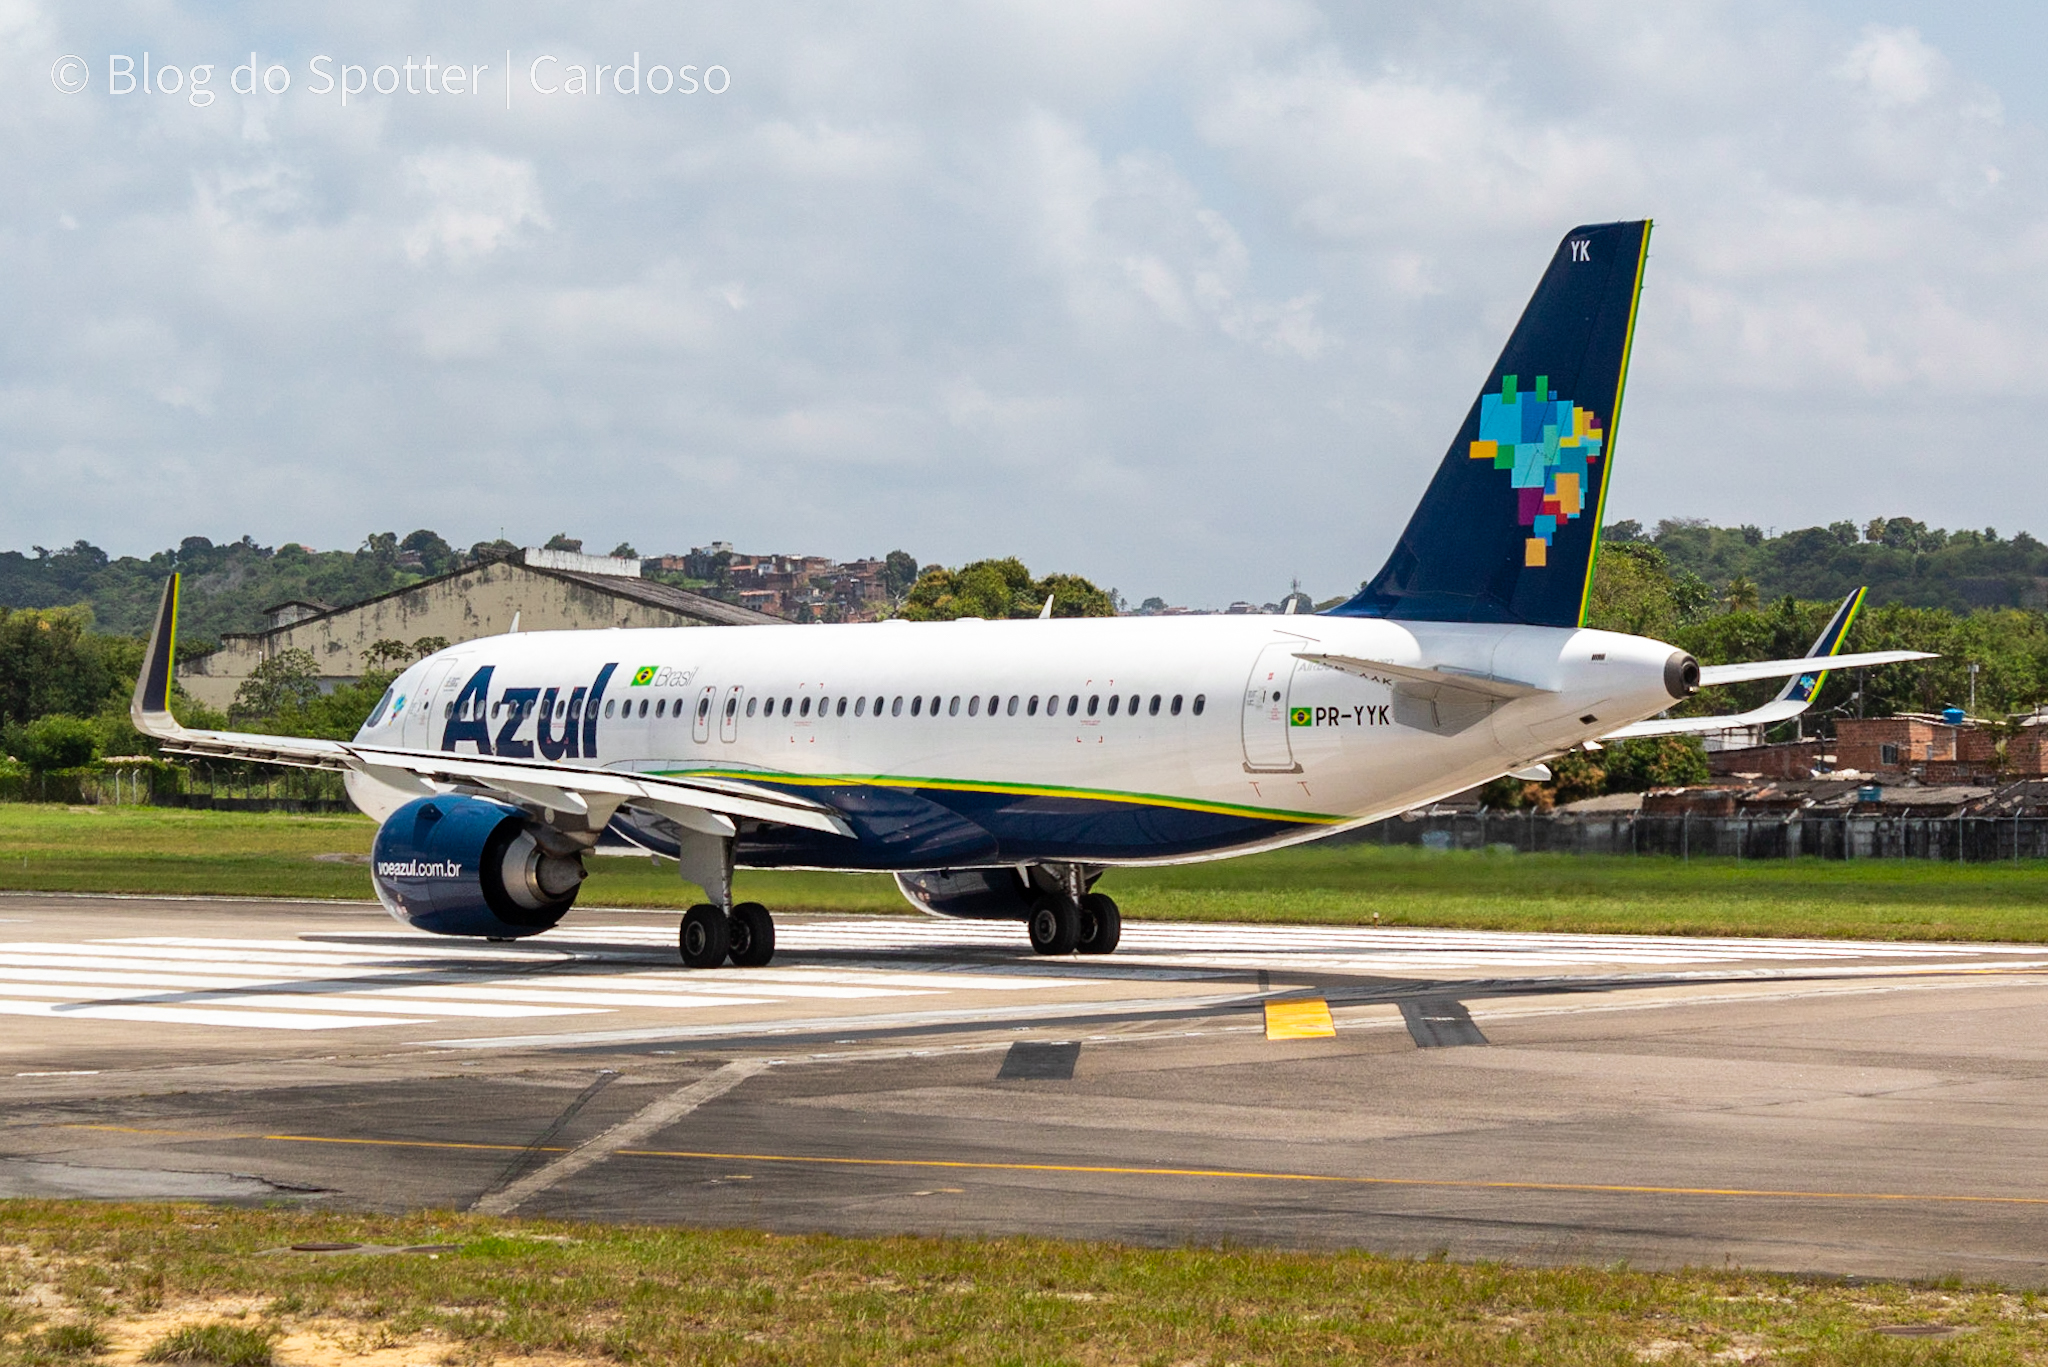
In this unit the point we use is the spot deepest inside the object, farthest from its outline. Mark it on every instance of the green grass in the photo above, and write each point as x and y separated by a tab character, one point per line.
219	1344
616	1294
144	850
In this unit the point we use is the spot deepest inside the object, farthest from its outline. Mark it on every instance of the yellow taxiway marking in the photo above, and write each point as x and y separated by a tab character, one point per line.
1303	1018
1252	1175
1103	1169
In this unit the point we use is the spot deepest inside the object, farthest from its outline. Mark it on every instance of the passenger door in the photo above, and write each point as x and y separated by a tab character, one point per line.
1267	747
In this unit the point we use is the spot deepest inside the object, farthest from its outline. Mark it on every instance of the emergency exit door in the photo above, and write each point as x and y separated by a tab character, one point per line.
1267	748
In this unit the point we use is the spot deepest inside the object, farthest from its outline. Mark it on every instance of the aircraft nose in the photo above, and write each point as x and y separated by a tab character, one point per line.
1681	675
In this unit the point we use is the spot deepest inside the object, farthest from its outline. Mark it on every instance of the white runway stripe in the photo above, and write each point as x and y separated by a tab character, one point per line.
192	1015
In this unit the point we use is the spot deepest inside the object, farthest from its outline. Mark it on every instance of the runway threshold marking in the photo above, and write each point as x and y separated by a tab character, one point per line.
1103	1169
1301	1018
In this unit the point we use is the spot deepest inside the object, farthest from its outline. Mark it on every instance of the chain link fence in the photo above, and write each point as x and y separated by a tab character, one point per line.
1964	839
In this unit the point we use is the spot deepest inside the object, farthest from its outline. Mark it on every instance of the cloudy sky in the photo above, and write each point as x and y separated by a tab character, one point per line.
1184	296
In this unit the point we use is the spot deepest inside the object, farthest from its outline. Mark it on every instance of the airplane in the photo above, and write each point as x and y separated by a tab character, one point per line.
998	768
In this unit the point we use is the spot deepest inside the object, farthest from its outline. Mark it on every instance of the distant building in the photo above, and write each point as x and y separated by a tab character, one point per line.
546	590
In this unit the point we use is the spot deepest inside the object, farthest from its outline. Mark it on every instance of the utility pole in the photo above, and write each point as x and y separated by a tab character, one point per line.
1973	688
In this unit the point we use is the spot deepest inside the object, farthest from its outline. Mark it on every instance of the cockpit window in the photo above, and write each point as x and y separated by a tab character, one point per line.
377	712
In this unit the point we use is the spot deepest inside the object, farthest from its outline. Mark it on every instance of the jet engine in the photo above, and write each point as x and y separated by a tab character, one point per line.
470	866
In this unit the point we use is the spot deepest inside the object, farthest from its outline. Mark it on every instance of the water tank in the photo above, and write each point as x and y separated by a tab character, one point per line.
1954	716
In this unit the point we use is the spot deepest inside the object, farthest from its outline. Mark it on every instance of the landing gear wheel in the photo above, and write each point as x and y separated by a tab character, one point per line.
753	935
1102	925
1055	925
704	937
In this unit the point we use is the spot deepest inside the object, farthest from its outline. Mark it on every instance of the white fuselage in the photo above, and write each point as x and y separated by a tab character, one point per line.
1202	736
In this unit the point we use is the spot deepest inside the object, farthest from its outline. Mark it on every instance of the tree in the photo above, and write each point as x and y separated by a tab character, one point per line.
427	645
50	662
436	555
386	652
562	541
899	572
54	742
1654	762
624	551
1741	595
288	680
998	589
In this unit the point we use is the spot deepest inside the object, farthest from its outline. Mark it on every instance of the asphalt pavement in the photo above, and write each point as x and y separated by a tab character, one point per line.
1862	1109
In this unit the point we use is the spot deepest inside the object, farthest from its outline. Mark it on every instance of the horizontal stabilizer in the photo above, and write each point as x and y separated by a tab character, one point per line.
1486	685
1803	676
1713	675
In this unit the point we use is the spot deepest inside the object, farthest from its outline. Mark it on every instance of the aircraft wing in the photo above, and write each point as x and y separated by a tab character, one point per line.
707	805
1803	676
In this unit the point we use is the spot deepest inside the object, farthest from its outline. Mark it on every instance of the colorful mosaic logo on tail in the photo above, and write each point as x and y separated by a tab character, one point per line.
1548	446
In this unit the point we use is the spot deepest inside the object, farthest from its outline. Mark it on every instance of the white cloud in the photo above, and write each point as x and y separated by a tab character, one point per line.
478	202
1104	285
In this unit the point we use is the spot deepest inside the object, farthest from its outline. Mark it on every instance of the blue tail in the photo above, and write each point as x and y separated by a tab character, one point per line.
1510	526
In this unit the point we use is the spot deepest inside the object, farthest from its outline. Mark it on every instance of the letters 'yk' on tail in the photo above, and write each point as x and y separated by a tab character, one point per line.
1510	525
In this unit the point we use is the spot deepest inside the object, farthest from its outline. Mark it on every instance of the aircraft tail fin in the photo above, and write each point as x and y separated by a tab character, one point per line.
1509	528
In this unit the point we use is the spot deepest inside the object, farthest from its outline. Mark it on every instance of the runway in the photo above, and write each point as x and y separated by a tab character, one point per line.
1853	1108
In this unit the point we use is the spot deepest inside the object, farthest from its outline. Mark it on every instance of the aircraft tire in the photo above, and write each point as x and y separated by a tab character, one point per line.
753	935
704	937
1102	925
1055	925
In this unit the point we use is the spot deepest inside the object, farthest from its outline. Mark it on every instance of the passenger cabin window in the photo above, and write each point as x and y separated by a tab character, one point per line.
785	705
805	710
1153	710
1073	703
878	707
839	708
935	705
1093	700
1031	706
1014	700
1199	700
732	707
917	705
896	708
1113	701
973	705
953	710
1175	709
703	708
752	703
659	705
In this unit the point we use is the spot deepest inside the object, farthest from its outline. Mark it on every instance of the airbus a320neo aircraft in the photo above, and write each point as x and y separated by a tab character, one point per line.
997	768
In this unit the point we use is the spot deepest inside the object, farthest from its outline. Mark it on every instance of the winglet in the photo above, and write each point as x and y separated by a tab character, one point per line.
150	709
1801	688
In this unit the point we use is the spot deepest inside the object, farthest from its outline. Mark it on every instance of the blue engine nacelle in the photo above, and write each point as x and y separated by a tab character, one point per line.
469	866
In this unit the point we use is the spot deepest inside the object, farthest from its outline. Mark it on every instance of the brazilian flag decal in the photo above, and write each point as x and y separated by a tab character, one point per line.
644	676
1300	716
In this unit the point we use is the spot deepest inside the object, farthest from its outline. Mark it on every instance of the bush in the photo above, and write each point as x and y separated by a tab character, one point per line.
53	743
219	1344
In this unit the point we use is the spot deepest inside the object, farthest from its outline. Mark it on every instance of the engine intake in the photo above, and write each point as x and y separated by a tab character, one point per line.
470	866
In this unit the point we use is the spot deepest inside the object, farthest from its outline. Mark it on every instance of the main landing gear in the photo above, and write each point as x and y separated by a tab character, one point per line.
1060	924
708	936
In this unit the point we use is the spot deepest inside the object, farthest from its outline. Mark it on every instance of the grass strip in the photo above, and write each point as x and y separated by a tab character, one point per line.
206	1278
168	851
